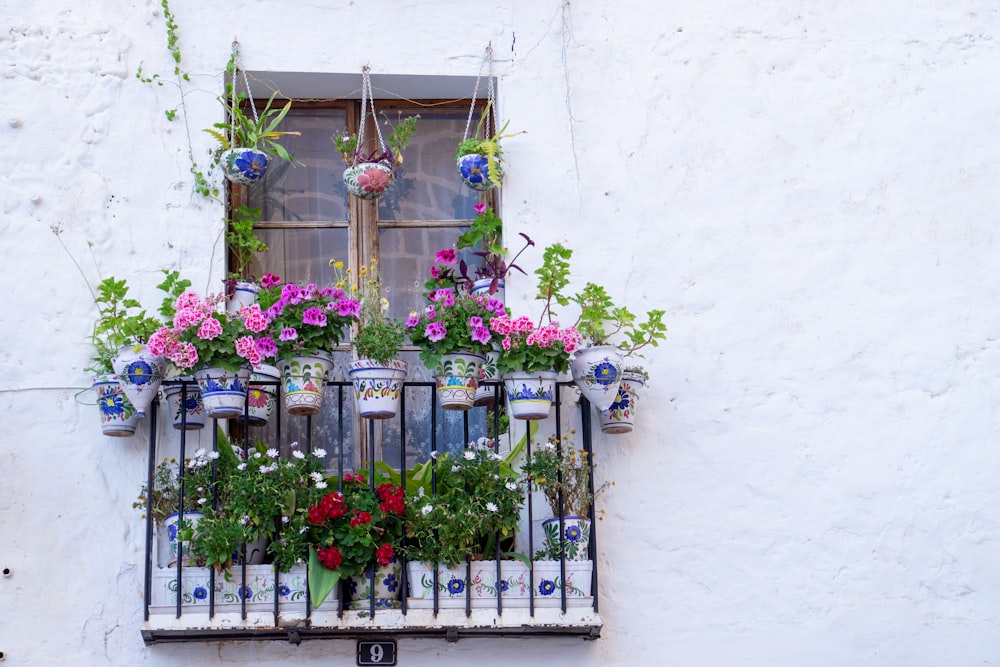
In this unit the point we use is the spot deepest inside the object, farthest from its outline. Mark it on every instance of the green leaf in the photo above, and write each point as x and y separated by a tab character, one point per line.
321	580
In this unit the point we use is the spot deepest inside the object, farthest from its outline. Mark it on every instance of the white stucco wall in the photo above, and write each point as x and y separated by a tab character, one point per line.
808	189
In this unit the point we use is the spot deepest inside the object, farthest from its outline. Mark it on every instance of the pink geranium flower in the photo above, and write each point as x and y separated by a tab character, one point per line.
446	256
435	331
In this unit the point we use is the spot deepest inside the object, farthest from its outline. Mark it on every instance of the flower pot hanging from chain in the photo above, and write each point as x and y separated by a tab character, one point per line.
304	379
597	372
620	417
223	393
244	166
456	379
530	394
140	374
117	414
368	180
377	387
476	172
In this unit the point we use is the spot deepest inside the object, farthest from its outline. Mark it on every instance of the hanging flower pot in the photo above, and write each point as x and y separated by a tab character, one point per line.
186	407
597	372
530	394
304	379
244	166
620	417
456	379
261	398
377	387
224	393
140	374
475	171
118	417
574	539
368	180
486	394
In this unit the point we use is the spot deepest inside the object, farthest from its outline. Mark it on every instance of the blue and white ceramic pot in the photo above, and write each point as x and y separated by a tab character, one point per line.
475	171
139	374
597	371
530	395
244	294
244	166
223	393
185	406
620	416
261	398
118	417
388	587
573	540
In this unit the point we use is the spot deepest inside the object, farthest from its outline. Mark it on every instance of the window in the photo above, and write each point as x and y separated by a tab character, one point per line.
308	218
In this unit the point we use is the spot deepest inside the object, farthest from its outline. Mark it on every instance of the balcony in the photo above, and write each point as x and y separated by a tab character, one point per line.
185	603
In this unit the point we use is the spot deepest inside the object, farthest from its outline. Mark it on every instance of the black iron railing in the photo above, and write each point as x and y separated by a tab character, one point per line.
415	394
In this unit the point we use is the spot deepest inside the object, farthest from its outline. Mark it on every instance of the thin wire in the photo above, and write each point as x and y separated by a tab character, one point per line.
486	61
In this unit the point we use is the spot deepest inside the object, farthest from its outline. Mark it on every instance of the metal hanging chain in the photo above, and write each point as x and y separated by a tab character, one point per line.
487	60
238	68
367	97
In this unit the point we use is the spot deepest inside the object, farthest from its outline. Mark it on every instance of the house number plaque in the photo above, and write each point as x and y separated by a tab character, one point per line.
377	653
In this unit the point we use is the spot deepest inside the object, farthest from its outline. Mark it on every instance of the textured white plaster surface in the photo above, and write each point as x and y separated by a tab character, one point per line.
808	189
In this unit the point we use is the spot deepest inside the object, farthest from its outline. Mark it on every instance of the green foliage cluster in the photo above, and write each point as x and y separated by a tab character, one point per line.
121	321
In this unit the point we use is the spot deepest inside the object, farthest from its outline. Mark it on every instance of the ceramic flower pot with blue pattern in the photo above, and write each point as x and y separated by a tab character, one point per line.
244	166
224	393
571	537
368	180
377	387
305	380
475	171
388	587
620	416
597	371
530	395
456	379
117	414
185	406
140	375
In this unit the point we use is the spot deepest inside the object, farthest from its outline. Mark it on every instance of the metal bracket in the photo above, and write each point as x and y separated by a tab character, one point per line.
451	634
294	637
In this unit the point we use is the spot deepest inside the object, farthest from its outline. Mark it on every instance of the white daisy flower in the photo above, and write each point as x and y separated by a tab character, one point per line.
492	507
469	456
272	453
213	455
299	455
511	486
427	509
242	466
319	453
420	492
320	485
316	476
202	501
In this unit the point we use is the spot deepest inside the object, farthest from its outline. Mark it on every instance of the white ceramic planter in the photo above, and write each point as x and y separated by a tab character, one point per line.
139	374
369	180
261	398
223	393
304	379
620	416
456	379
118	417
530	395
377	387
597	372
180	402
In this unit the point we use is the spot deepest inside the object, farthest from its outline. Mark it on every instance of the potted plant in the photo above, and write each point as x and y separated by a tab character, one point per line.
562	472
243	244
217	344
454	336
173	520
370	171
351	529
247	142
121	325
597	368
468	514
303	325
480	161
255	494
376	371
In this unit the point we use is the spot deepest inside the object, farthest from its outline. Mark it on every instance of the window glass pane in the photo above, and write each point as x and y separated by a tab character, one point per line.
427	185
311	188
407	255
301	255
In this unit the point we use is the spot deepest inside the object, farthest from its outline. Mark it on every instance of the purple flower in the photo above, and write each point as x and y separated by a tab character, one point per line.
267	347
314	316
288	333
481	334
436	331
479	208
475	321
430	313
412	321
349	308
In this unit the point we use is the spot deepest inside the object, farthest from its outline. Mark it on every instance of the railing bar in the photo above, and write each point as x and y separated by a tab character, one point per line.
403	579
371	485
588	446
150	467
